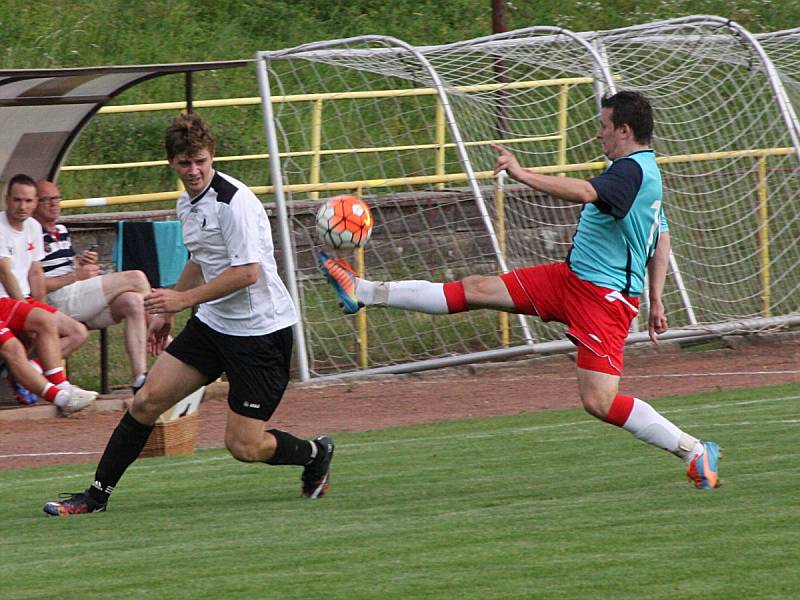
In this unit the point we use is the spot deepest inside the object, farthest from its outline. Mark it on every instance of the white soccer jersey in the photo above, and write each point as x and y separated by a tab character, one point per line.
23	248
224	226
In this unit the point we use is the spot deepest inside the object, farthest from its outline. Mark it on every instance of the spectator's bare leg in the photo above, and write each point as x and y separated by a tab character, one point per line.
115	284
124	293
72	334
130	307
43	330
16	359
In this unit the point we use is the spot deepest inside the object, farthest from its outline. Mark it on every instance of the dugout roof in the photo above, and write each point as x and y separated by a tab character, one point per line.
42	111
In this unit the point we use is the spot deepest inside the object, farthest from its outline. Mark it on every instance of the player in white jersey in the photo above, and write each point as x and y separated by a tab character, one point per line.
242	328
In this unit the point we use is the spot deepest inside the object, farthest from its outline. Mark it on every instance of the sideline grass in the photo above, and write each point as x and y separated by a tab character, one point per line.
549	505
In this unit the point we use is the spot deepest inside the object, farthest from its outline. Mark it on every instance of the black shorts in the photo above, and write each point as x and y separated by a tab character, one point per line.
257	366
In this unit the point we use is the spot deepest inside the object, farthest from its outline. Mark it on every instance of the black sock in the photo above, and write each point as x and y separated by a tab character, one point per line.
291	450
123	447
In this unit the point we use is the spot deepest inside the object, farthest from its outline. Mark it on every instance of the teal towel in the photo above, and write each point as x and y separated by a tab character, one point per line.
155	247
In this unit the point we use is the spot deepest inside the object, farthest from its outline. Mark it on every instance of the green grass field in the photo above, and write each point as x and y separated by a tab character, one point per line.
548	505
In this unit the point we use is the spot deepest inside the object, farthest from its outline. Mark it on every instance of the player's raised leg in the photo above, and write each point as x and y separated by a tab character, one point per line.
472	292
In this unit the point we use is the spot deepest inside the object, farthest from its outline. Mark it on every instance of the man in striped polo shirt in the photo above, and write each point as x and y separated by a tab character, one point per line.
76	286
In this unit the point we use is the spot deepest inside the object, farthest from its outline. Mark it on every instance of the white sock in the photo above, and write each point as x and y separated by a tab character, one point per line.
697	449
649	426
420	296
138	381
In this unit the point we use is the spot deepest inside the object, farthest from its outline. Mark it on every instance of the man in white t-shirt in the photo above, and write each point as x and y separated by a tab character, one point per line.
28	319
242	328
76	287
21	276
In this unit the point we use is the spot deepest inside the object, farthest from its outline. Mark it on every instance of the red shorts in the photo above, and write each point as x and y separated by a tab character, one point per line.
5	333
598	318
15	312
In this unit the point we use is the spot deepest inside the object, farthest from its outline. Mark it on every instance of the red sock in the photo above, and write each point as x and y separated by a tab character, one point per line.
49	392
456	297
620	410
56	376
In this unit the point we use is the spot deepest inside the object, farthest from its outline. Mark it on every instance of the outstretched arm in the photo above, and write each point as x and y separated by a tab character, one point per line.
563	188
657	272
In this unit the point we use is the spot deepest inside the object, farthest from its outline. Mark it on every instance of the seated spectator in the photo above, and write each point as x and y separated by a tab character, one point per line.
76	287
21	276
52	385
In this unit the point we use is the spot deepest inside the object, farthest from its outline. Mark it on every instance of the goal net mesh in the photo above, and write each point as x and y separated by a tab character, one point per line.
362	117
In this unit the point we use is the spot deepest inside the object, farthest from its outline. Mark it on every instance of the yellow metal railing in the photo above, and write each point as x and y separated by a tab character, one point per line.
315	151
427	179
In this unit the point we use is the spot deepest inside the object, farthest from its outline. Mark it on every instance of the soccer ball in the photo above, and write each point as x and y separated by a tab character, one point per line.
344	222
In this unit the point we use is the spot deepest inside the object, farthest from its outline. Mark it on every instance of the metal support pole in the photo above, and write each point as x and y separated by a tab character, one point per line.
361	318
287	252
440	140
500	211
687	303
189	92
763	237
316	142
500	208
104	387
563	99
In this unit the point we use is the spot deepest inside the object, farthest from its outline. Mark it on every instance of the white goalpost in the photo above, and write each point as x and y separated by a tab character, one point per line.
408	129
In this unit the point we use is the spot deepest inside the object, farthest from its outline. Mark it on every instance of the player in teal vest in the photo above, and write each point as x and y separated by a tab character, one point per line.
617	234
622	234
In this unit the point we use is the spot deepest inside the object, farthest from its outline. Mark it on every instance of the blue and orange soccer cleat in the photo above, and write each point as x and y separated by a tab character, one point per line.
343	279
74	504
702	468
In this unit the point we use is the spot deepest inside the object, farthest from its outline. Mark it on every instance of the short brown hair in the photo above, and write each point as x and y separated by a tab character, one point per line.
633	109
188	134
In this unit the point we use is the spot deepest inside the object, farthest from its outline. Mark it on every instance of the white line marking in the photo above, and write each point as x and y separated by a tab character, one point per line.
36	454
515	431
713	374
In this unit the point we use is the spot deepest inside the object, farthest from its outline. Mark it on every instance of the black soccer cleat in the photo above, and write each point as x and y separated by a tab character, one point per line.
317	474
74	504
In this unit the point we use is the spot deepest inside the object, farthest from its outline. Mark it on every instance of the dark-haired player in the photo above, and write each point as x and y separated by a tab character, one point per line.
242	328
621	234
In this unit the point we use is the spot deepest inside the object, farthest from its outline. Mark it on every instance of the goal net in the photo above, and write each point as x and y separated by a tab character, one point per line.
409	130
